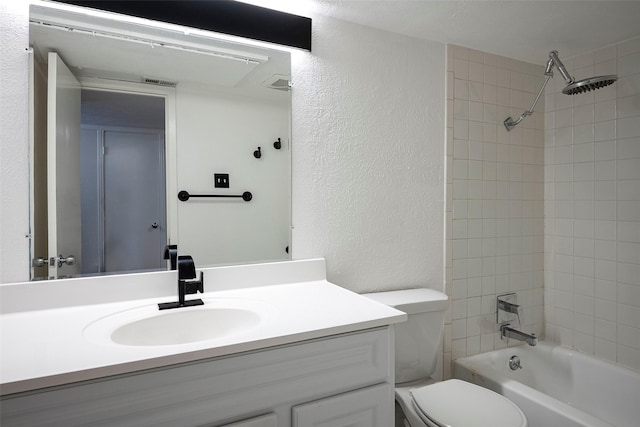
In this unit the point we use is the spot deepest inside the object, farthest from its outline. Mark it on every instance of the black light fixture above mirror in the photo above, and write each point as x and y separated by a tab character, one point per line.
222	16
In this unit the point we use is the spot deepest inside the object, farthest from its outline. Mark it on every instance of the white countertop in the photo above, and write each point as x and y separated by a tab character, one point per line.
49	347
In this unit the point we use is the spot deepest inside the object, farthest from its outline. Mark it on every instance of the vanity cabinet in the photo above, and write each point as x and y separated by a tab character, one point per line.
340	380
361	408
269	420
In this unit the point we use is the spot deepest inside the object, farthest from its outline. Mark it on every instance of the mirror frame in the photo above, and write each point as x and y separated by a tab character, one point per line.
223	16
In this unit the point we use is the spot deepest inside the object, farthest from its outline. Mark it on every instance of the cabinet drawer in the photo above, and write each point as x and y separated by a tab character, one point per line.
368	407
269	420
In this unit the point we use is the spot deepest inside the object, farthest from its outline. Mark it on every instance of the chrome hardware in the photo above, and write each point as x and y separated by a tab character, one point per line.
70	260
507	309
514	363
508	332
38	262
573	87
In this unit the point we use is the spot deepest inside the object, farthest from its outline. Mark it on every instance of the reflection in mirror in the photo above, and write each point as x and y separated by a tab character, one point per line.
128	112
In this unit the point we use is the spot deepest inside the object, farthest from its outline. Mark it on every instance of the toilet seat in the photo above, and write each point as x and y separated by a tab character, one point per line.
456	403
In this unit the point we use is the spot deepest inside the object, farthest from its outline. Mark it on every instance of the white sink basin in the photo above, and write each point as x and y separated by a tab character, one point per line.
148	326
180	327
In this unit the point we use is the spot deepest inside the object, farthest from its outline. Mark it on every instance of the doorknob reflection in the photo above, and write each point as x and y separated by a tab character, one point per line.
69	260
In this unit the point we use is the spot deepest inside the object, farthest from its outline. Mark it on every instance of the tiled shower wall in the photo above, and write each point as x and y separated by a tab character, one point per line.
495	231
592	208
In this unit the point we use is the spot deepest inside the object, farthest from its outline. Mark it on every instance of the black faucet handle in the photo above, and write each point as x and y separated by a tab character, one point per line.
186	268
171	253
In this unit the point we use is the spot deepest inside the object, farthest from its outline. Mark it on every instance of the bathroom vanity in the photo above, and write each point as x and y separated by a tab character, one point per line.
290	349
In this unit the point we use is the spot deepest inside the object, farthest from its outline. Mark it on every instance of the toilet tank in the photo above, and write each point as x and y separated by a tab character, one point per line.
417	340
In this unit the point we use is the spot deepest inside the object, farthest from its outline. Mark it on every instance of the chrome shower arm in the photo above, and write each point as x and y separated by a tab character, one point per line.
548	71
563	70
573	87
509	123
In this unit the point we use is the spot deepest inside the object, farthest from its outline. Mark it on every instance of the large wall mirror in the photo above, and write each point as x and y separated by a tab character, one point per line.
126	114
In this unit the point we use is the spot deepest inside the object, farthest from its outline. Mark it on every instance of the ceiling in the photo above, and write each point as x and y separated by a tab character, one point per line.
522	29
97	46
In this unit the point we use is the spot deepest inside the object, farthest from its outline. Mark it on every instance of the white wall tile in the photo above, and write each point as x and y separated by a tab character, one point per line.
628	127
563	118
629	295
628	169
476	71
461	89
628	273
628	189
605	210
496	205
476	111
605	350
476	91
490	75
627	210
583	114
628	106
606	68
605	131
584	171
628	148
628	356
628	252
583	152
606	310
629	64
584	133
628	85
489	94
605	150
605	54
628	231
604	111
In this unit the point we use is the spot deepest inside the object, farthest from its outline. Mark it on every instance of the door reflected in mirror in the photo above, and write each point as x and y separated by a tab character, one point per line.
122	187
127	115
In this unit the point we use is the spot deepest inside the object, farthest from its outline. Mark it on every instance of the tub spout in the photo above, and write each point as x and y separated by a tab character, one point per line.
508	332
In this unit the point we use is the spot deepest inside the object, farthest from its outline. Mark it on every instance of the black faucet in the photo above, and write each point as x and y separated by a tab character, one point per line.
171	253
186	284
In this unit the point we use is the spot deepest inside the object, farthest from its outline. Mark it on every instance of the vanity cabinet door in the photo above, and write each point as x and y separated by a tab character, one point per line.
269	420
368	407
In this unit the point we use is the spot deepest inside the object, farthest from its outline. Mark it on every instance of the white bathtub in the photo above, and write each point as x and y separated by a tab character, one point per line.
558	387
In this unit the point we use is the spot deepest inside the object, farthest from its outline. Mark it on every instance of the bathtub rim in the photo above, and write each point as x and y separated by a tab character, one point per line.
469	367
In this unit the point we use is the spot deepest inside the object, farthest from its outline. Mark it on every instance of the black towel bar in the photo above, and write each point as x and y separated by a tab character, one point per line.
183	196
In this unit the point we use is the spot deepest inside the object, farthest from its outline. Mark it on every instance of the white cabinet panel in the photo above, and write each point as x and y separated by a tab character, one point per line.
369	407
269	420
214	390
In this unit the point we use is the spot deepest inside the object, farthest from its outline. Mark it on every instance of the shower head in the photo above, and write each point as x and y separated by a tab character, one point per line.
581	86
586	85
573	87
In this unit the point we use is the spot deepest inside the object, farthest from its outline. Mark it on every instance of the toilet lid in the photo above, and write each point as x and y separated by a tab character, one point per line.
456	403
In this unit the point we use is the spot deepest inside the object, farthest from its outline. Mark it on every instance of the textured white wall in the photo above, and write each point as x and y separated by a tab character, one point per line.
14	140
368	154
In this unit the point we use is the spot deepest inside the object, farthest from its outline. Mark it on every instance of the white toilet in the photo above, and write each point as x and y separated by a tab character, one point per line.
422	401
